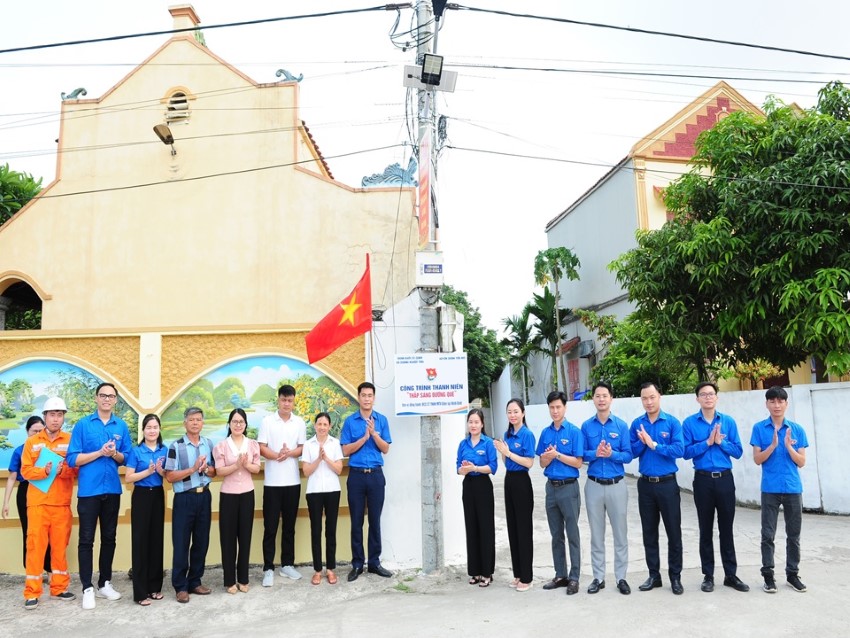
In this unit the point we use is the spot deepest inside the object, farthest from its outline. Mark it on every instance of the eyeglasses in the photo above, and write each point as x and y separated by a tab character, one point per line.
707	395
109	397
237	422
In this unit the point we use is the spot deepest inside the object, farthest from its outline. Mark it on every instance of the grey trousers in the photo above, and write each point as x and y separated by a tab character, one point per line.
792	508
613	500
563	505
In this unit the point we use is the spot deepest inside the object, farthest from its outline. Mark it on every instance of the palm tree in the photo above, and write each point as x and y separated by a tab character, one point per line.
547	327
552	265
520	345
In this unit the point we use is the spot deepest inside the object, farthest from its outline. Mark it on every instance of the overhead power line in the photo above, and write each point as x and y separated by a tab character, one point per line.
666	34
129	36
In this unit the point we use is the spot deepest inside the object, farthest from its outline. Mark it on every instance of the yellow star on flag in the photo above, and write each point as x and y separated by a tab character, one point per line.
349	310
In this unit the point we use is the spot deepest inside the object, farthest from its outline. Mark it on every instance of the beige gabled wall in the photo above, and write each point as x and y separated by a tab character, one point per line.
229	232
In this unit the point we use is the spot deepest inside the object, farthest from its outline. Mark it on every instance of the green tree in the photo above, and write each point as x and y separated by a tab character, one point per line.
551	266
485	355
16	189
548	319
520	346
755	264
633	356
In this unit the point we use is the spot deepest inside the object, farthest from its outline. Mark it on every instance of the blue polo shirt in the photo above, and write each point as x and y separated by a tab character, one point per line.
15	464
567	440
616	432
140	458
100	476
484	453
711	458
353	429
779	473
667	432
182	455
520	443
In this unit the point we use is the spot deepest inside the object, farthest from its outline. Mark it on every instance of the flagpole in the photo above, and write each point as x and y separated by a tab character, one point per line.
372	354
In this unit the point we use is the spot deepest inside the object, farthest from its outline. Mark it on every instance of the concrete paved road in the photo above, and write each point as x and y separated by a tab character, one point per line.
412	604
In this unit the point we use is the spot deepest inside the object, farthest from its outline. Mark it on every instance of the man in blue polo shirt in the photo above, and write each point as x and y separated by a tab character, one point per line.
365	438
560	449
656	439
712	441
779	446
99	443
606	449
189	467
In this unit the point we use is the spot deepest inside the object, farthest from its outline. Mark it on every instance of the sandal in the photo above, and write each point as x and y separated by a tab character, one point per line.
232	589
242	588
513	584
485	581
144	602
332	579
474	580
156	596
317	578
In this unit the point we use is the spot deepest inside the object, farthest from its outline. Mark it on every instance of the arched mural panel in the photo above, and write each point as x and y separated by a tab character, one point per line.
24	388
251	383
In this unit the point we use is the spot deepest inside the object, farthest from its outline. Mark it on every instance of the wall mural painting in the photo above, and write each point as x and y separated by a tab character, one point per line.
25	387
251	384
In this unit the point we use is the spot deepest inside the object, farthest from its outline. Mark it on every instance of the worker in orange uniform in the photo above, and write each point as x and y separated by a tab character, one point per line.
49	512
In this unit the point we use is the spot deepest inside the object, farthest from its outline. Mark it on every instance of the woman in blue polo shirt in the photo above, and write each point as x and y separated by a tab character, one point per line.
145	469
35	424
476	458
517	450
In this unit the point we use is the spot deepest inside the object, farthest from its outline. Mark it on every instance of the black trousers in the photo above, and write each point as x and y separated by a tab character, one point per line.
716	495
280	503
147	520
21	501
235	525
661	502
91	510
479	519
519	506
327	503
190	537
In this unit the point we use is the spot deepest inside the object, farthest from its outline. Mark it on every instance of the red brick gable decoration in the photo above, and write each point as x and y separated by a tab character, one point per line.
683	144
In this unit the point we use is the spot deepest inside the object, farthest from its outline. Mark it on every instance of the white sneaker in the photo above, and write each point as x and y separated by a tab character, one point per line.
88	598
268	578
108	592
290	572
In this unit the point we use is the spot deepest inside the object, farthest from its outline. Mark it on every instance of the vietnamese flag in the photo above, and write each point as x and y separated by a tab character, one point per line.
351	318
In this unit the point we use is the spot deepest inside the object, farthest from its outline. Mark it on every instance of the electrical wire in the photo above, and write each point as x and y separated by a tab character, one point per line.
667	34
209	27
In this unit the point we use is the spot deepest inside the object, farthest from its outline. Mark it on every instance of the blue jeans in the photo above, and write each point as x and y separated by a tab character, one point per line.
190	535
90	509
365	492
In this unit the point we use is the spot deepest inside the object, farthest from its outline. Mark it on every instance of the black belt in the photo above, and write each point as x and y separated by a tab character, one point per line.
195	490
560	482
659	479
602	481
365	470
713	474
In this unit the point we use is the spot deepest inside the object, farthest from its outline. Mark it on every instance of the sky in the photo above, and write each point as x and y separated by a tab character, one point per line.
522	143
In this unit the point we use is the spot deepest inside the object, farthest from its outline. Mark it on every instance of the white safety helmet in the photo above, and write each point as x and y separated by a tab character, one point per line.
54	403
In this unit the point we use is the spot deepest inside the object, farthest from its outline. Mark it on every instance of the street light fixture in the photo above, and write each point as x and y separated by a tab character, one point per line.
432	69
164	133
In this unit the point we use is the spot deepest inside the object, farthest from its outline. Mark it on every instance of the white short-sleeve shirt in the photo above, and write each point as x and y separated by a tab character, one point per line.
274	432
324	479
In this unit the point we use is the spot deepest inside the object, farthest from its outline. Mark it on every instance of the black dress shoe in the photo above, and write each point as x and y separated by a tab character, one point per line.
354	573
380	571
624	588
650	583
736	583
555	583
572	587
676	586
595	586
707	584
